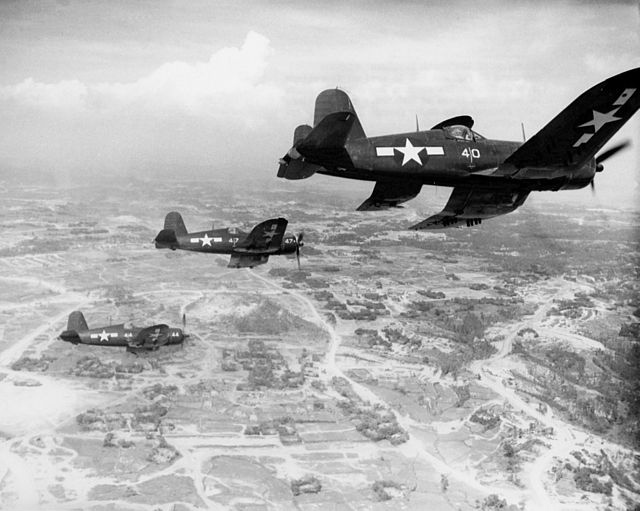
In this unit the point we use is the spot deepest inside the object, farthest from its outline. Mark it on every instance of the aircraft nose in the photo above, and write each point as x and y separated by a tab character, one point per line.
292	244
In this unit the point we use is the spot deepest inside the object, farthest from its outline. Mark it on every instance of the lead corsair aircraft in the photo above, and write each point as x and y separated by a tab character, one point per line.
134	339
246	250
489	177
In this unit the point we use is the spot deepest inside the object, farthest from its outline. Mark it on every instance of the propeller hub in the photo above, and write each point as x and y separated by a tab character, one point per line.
602	157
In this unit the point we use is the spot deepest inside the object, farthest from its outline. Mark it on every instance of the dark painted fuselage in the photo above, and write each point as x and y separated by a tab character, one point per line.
221	241
434	157
118	335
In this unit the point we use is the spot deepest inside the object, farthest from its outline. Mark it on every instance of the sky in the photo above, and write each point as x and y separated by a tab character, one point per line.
157	87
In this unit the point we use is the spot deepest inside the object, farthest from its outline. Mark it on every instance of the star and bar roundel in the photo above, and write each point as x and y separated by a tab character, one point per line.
410	152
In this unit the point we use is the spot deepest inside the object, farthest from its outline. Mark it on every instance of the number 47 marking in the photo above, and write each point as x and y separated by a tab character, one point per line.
471	152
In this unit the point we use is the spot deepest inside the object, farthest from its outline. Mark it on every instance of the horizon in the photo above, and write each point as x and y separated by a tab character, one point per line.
153	89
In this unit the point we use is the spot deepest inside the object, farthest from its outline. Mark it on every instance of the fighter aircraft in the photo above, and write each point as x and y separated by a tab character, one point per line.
489	177
134	339
247	250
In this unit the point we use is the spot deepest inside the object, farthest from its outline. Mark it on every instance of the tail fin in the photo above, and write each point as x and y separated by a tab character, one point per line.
173	221
334	124
334	100
173	227
77	322
264	237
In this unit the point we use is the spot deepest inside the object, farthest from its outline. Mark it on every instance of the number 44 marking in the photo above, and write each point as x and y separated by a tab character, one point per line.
469	152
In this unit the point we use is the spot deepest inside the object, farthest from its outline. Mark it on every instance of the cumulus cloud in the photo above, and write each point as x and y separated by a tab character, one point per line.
181	114
65	94
232	77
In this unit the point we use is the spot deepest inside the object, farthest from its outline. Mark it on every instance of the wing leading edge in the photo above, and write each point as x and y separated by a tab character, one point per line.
264	238
577	133
470	206
151	337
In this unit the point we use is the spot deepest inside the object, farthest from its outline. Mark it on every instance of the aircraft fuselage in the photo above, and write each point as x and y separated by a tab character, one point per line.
222	241
431	157
118	335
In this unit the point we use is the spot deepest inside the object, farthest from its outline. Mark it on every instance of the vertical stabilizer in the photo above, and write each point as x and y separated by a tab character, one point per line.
334	100
77	322
173	222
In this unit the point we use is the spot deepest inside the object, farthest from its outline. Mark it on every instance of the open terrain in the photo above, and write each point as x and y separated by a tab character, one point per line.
487	368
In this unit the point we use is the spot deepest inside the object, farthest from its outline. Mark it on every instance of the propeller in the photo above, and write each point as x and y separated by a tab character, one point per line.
609	153
601	158
298	245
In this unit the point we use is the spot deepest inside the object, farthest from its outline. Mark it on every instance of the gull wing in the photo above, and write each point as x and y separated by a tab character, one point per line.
266	237
151	337
470	206
577	133
388	194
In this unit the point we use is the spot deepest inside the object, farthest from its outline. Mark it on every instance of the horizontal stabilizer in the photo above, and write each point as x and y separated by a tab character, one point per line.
301	132
71	336
166	238
331	132
296	169
326	141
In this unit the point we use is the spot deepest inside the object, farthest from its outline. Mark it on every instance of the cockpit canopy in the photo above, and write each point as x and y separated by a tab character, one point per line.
460	132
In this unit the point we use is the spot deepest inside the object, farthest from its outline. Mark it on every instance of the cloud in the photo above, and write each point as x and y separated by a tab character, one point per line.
178	115
67	94
232	79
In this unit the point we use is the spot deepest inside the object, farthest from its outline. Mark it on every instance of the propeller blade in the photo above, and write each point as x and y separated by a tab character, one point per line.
298	245
592	184
612	151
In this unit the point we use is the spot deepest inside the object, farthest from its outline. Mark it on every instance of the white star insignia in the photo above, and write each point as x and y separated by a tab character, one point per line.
104	336
206	240
600	119
410	152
